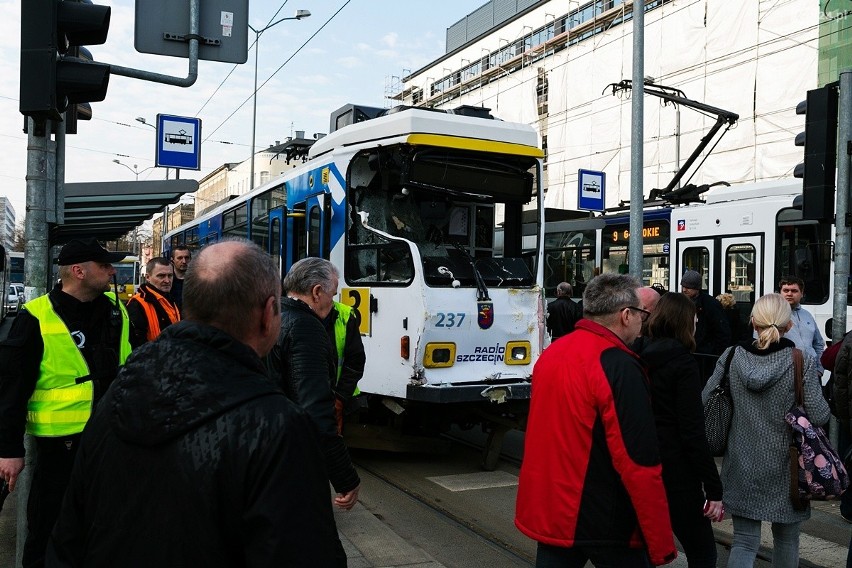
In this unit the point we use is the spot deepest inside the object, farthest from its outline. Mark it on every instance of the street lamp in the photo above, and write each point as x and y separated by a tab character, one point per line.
298	16
134	169
146	123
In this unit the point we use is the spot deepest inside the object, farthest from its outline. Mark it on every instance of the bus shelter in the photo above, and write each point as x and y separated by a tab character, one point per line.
110	210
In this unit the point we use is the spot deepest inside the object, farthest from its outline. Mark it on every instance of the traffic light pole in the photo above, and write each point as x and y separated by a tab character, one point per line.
842	240
192	76
41	169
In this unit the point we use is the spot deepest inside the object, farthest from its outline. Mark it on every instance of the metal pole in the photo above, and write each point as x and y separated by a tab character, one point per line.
35	282
637	129
192	74
677	142
842	241
254	106
299	15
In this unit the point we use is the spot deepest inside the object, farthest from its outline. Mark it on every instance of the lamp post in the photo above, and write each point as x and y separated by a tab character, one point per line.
135	169
146	123
298	16
136	172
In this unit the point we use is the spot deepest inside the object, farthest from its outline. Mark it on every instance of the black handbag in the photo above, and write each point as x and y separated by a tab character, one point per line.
718	411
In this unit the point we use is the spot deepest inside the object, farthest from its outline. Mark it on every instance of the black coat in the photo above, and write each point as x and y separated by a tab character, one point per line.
302	363
194	458
712	332
679	417
562	314
23	349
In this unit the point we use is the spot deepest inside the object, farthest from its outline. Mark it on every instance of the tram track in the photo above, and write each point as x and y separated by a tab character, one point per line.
514	457
442	510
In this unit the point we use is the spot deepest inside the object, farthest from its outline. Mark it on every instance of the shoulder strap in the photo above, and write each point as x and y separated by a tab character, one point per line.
725	378
798	371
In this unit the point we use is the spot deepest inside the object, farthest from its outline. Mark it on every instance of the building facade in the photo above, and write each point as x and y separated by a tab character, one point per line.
7	223
553	63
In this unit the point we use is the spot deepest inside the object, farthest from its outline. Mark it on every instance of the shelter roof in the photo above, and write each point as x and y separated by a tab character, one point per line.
110	210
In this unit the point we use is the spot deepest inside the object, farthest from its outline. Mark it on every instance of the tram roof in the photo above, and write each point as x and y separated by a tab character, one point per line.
414	121
110	210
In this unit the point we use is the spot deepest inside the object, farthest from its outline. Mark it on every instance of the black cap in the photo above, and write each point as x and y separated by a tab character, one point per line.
85	250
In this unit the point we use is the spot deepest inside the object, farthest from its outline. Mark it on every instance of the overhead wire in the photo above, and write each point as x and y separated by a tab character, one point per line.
294	54
234	68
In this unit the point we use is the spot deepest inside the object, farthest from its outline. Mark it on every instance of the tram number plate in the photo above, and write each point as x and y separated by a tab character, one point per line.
450	320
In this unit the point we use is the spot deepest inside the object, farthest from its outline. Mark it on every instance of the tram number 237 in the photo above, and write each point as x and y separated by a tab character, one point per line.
448	319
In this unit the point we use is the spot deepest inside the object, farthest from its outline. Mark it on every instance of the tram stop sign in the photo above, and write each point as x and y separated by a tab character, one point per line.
591	190
178	142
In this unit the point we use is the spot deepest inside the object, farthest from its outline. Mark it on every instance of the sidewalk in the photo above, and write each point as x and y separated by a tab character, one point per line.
377	545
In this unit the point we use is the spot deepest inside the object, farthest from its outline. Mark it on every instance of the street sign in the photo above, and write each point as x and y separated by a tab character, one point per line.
591	190
162	28
178	142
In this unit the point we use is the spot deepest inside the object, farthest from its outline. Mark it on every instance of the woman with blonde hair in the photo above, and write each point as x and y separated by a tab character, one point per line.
693	488
756	467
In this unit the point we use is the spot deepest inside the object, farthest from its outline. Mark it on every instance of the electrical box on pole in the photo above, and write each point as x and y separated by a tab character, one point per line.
819	139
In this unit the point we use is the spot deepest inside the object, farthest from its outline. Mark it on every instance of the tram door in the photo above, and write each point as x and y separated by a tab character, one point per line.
727	265
309	226
276	238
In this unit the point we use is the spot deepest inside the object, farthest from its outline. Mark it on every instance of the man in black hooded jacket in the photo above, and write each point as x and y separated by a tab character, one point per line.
194	458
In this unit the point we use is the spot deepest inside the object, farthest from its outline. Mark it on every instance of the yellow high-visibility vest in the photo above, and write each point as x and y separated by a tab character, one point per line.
344	312
59	406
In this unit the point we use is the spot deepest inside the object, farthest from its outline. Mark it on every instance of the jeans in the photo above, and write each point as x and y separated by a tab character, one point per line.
548	556
785	544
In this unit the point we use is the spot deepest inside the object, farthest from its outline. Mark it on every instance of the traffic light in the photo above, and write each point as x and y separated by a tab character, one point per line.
818	171
54	73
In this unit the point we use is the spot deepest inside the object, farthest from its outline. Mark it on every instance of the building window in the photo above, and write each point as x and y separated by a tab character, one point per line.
541	91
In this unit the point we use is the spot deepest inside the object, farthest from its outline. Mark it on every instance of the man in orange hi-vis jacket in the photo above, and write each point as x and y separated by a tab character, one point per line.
152	308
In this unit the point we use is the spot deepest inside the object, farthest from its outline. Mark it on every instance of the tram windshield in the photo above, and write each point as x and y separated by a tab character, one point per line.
448	204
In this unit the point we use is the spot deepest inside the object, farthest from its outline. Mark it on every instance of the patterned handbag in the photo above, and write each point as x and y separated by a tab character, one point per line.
816	470
718	411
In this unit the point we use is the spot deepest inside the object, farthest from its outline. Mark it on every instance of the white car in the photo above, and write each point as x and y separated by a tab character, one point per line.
14	298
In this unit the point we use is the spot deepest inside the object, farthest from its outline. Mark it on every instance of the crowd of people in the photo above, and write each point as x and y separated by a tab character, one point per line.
634	374
201	424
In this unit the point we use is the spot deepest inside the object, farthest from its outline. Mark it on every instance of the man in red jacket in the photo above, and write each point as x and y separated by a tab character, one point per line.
591	484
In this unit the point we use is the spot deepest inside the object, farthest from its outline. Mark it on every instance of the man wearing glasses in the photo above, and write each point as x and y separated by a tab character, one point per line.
591	485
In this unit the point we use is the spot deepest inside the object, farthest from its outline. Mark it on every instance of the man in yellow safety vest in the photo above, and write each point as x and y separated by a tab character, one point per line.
343	327
62	352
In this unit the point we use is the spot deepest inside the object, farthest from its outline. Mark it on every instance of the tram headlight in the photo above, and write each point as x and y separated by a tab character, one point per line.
439	355
518	352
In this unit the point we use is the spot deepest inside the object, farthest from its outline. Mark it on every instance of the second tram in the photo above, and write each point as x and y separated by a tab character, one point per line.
741	239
